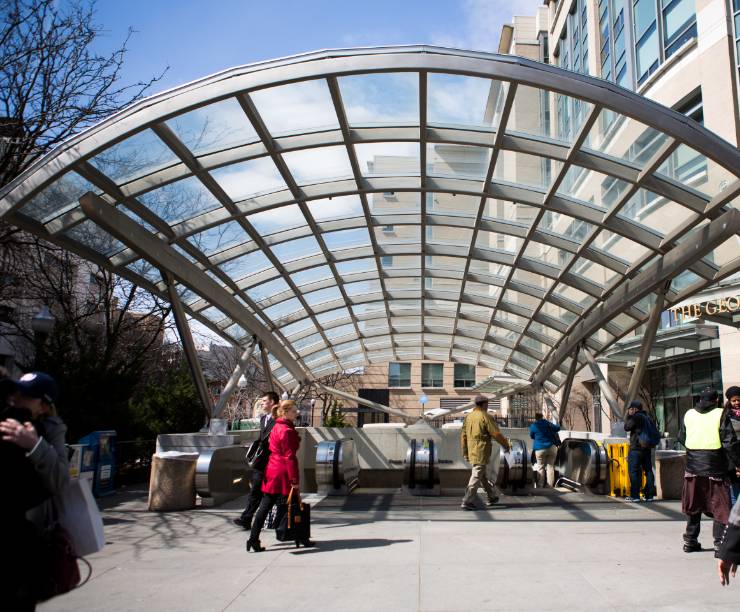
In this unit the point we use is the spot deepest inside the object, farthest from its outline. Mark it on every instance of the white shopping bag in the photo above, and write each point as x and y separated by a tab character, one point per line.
79	515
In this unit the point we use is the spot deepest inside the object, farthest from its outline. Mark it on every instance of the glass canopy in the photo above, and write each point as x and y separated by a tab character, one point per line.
372	205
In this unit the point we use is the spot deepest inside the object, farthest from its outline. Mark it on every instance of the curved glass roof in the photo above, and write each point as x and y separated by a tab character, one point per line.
373	205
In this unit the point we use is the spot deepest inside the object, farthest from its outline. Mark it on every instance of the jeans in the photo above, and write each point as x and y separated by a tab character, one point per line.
639	461
545	465
255	496
734	492
479	478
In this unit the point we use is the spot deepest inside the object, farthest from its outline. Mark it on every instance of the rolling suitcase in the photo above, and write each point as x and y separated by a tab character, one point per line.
295	523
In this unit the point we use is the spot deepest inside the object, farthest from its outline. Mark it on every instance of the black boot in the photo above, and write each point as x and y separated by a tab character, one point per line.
305	543
255	544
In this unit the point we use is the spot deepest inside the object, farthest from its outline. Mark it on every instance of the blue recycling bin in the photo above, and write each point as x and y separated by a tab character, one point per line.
101	447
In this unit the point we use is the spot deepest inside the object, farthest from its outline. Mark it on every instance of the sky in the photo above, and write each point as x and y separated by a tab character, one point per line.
195	38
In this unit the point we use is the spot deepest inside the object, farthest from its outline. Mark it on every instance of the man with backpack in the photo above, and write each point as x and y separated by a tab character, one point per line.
644	437
711	446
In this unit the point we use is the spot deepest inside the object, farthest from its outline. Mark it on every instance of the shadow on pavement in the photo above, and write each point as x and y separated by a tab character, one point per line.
327	545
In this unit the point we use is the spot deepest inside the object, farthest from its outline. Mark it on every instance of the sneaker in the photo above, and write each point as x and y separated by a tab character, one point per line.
649	499
689	547
634	500
468	506
492	502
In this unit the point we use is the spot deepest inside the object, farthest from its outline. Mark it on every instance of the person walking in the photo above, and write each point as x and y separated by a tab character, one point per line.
281	475
478	430
268	402
733	411
710	441
545	446
639	457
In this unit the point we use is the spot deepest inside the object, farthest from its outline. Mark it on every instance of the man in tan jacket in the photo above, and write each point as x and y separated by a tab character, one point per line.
477	432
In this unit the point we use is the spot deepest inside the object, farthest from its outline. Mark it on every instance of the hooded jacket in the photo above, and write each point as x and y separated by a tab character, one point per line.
715	461
634	424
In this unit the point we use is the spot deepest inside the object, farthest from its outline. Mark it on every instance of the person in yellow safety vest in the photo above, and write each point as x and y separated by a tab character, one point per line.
475	440
710	442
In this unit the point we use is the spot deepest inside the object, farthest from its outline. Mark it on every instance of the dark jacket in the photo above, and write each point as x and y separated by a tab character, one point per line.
712	462
544	434
729	550
634	424
282	467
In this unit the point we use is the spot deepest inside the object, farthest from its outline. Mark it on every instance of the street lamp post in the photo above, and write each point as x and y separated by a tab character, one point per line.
42	325
423	400
313	404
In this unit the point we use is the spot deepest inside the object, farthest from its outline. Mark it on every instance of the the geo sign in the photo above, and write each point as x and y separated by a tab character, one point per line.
712	307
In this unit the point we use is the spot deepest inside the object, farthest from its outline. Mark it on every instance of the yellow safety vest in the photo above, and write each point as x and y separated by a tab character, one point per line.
702	429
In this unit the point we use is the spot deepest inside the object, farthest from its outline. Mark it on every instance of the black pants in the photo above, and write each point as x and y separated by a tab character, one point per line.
255	496
639	461
268	501
693	525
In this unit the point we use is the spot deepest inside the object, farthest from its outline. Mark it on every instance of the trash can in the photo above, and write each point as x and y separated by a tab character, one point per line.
103	447
172	481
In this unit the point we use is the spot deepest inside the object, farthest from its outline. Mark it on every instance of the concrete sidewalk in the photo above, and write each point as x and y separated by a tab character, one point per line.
385	551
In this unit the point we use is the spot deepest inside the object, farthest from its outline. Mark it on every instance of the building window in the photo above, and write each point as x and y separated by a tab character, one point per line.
572	54
464	376
399	374
736	25
431	375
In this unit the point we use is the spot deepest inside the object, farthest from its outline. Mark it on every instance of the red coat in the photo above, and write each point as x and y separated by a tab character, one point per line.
282	468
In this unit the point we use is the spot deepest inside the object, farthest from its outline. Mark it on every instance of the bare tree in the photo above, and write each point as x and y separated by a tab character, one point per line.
343	380
580	404
52	84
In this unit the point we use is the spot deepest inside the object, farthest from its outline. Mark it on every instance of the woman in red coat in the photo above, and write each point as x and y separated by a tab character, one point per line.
281	474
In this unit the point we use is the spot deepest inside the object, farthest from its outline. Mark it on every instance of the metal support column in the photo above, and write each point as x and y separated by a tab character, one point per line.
565	394
266	368
233	381
648	339
606	390
186	337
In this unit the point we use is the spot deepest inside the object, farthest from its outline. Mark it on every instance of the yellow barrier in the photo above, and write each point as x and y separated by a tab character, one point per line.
619	477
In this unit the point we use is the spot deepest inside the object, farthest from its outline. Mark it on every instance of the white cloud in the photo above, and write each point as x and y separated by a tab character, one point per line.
483	22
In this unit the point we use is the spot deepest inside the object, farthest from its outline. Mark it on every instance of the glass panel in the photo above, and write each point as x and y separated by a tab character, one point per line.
523	169
644	16
283	309
362	288
143	268
447	235
212	314
655	212
618	246
354	266
277	219
95	238
338	314
399	374
59	197
322	295
340	207
269	289
574	295
432	375
138	155
246	265
249	178
296	249
344	239
219	237
624	138
498	241
298	107
565	226
687	166
725	253
677	15
180	200
312	275
318	164
647	54
218	126
388	98
595	188
457	161
297	328
388	158
458	204
402	234
394	202
594	272
463	100
342	330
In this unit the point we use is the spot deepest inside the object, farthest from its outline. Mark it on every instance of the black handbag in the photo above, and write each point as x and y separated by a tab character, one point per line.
295	523
257	455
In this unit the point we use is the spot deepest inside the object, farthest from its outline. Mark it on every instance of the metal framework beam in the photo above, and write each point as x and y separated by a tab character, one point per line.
266	368
567	386
233	381
365	402
163	255
648	339
186	337
606	390
498	395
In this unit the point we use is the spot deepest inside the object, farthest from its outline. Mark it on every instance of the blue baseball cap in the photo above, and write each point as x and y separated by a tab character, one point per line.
38	384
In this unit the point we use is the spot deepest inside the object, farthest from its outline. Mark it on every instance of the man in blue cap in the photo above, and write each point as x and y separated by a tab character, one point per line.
640	458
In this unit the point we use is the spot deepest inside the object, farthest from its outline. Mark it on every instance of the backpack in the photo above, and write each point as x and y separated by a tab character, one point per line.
649	436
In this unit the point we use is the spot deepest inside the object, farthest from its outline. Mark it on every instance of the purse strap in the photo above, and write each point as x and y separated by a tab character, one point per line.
290	506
